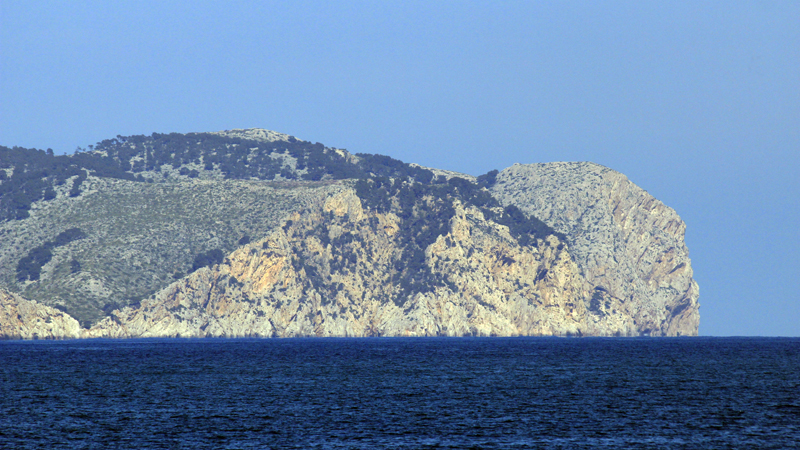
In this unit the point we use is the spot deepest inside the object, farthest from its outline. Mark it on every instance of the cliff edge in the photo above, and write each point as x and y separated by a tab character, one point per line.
257	233
27	319
630	246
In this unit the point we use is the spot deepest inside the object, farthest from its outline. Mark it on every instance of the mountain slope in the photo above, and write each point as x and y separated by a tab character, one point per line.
138	237
629	245
335	270
253	232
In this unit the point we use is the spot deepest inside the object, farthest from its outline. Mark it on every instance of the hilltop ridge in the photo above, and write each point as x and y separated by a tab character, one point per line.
254	134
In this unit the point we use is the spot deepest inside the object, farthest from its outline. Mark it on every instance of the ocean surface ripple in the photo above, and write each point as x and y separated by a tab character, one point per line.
514	393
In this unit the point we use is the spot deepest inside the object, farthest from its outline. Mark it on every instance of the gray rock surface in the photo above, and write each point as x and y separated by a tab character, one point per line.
629	246
320	263
297	282
255	134
301	281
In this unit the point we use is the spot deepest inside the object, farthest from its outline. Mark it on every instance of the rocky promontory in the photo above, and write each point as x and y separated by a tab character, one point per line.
629	245
329	272
257	233
26	319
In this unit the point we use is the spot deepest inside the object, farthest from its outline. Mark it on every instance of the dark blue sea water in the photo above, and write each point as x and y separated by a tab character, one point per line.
401	393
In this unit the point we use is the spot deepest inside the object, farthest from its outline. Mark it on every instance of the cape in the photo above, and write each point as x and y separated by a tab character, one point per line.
257	233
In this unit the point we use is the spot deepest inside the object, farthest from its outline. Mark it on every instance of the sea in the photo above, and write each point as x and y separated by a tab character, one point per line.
401	393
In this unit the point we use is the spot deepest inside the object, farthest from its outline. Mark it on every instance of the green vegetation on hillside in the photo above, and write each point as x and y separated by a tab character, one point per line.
426	209
207	259
144	235
234	157
380	193
36	172
30	266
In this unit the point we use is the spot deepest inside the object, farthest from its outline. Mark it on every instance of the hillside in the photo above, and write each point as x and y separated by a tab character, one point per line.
252	232
629	245
139	237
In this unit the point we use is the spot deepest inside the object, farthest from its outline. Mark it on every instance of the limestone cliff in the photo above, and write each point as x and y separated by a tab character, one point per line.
629	246
26	319
132	237
332	271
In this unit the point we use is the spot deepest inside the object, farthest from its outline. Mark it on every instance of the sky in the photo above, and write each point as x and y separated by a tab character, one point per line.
697	102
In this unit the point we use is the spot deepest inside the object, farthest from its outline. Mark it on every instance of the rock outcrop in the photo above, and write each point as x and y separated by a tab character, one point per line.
329	272
27	319
629	246
255	134
256	233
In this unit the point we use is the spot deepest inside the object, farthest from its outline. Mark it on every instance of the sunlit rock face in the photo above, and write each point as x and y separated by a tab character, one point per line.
26	319
329	272
629	246
256	233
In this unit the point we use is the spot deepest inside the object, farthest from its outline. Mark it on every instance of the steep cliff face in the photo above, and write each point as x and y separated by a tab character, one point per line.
333	271
26	319
629	246
320	242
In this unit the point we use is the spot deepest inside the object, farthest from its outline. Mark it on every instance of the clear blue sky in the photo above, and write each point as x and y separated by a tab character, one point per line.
696	102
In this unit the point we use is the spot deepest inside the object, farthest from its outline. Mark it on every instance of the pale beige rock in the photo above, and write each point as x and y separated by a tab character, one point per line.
330	270
302	281
27	319
255	134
